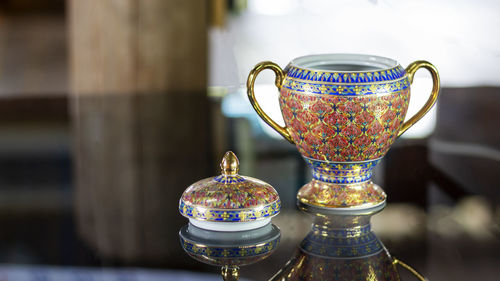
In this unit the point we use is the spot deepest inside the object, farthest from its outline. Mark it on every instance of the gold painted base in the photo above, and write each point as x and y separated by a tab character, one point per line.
322	194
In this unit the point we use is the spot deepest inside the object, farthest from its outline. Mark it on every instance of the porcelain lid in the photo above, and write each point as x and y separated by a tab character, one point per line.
229	197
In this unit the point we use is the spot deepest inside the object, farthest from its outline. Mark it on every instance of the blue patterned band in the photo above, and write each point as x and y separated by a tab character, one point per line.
229	252
342	243
341	172
229	215
229	179
327	246
346	90
346	77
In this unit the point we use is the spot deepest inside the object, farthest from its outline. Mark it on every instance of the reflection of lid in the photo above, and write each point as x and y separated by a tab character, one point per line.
229	248
229	197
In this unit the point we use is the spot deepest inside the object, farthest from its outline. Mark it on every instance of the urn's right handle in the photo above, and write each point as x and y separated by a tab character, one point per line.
410	70
419	276
280	77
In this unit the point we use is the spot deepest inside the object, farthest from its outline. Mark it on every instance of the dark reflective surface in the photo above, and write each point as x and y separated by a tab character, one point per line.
338	247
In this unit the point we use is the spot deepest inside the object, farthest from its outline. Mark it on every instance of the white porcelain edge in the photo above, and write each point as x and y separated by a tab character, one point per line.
229	226
305	62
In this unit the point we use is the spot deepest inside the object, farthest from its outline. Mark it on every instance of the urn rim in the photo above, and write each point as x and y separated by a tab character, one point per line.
344	63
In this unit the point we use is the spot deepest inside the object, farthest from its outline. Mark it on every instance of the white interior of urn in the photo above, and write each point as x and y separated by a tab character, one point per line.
344	63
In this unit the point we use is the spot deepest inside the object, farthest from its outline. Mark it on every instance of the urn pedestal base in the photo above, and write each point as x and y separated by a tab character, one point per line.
341	185
320	194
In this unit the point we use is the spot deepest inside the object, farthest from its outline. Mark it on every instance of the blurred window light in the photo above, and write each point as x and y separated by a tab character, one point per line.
420	91
236	105
465	52
272	7
223	71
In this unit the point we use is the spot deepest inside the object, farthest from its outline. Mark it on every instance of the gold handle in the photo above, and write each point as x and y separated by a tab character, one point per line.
409	268
280	76
410	70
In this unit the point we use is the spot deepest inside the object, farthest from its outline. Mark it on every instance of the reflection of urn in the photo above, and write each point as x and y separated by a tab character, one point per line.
343	112
342	247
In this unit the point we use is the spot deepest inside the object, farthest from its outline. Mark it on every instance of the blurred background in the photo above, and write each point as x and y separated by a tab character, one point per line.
110	109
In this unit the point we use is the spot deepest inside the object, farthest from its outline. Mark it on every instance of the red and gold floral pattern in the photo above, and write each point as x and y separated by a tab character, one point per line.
249	193
343	128
229	197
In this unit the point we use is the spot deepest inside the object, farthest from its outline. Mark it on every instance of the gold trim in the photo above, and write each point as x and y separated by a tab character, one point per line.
324	212
237	209
419	276
360	206
207	246
230	164
410	70
338	90
230	273
347	83
344	72
349	96
280	77
356	195
342	162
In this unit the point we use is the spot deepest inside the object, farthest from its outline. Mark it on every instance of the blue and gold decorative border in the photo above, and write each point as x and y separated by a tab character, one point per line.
346	90
229	179
229	252
342	243
229	215
326	248
346	77
342	172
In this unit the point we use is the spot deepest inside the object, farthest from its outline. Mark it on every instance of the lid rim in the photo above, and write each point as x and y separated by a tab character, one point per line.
231	215
233	209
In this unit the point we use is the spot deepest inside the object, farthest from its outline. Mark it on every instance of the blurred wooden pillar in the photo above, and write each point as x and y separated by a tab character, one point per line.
140	116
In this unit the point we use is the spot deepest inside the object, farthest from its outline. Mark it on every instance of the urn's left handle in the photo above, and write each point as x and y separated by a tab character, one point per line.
280	76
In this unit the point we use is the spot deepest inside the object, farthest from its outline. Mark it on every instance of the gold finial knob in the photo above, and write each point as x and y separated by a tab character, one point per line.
230	164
